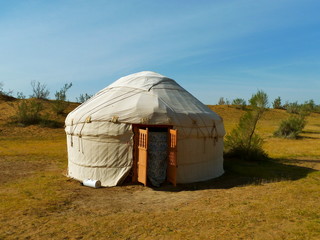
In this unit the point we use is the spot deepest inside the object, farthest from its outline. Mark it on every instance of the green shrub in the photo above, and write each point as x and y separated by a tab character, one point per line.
291	127
301	109
308	107
240	103
277	103
294	108
28	112
221	101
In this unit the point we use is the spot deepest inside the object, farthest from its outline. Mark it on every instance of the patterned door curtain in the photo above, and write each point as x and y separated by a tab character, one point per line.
157	158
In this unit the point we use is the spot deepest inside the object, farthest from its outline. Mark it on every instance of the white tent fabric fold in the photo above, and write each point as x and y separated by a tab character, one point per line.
100	137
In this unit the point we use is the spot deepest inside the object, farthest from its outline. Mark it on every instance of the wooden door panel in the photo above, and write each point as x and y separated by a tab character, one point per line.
143	156
172	157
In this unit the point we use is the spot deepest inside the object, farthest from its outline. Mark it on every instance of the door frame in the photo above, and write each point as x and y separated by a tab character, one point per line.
135	129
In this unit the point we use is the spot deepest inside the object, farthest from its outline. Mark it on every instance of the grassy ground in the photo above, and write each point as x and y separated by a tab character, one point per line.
276	199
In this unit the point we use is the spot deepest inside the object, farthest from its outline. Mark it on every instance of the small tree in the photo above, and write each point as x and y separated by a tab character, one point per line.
83	97
277	103
221	101
240	103
259	101
40	91
60	104
243	142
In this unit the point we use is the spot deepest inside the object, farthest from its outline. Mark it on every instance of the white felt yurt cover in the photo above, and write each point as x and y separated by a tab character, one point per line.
100	137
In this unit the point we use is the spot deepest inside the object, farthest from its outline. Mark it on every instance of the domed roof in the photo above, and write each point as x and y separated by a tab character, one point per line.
146	98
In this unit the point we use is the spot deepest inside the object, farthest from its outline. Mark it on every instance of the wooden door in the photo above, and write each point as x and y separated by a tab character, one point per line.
143	156
172	157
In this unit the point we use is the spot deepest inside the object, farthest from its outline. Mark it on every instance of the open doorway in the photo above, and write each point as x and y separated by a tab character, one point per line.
155	154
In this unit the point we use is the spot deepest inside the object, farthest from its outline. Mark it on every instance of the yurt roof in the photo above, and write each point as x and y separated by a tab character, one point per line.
146	98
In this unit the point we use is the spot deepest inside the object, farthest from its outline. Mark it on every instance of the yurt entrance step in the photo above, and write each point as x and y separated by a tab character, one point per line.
155	154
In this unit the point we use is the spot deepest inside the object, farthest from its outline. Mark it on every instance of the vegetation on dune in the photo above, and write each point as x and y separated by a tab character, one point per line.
291	107
32	112
36	110
303	109
290	127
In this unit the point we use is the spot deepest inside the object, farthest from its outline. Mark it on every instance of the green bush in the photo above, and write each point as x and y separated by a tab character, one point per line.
308	107
28	112
291	127
277	103
221	101
293	107
240	103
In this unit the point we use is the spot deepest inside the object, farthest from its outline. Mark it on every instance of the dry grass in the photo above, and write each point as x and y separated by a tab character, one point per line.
278	199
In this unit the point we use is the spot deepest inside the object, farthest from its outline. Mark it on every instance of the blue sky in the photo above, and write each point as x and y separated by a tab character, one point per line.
214	49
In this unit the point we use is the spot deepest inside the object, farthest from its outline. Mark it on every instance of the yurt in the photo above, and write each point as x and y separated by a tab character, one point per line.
147	128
